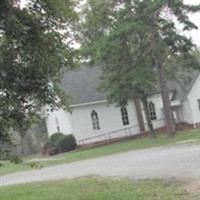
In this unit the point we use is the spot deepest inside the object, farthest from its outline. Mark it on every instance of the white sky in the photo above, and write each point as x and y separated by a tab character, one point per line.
195	34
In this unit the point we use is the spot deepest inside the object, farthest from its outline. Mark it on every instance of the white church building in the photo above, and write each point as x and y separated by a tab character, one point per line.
91	119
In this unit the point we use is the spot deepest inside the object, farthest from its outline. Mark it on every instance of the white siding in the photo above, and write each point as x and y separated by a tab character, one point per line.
186	115
193	96
160	121
59	118
109	119
79	121
157	100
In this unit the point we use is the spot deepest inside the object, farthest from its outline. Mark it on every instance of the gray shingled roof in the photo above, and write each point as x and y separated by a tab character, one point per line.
183	86
82	85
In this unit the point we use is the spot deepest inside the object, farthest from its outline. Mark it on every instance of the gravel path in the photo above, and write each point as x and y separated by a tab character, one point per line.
180	162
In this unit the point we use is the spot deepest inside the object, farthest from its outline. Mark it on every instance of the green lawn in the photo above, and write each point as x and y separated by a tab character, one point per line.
131	144
98	189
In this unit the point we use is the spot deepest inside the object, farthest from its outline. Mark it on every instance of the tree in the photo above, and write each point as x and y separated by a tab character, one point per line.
34	48
129	89
165	43
122	78
125	81
148	30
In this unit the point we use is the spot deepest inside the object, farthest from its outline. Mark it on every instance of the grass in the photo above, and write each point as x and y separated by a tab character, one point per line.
131	144
98	189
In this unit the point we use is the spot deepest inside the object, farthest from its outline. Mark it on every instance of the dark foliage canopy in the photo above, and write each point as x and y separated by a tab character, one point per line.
34	48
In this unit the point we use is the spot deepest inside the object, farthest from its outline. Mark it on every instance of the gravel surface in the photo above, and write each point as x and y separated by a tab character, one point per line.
180	162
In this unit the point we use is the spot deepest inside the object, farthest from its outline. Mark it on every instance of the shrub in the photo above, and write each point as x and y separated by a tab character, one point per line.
15	159
66	143
49	149
55	137
59	143
35	165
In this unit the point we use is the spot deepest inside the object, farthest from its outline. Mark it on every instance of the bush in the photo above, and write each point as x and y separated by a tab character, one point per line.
66	143
35	165
15	159
55	137
49	149
59	143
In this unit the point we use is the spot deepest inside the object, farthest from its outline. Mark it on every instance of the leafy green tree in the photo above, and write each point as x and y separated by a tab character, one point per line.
129	82
34	48
138	31
122	78
165	43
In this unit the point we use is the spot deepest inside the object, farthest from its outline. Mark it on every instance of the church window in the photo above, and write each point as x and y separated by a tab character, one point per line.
57	125
124	114
152	111
198	101
95	120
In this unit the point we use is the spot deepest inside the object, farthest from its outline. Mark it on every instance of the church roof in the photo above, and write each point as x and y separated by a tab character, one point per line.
82	85
183	86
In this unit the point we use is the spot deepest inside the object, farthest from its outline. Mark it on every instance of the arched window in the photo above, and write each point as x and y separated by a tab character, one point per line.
124	115
95	120
57	125
152	111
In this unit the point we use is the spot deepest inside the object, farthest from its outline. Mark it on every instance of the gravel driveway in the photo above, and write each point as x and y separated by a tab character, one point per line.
180	162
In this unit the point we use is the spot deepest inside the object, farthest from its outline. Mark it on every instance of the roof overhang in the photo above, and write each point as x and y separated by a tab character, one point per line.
88	103
175	103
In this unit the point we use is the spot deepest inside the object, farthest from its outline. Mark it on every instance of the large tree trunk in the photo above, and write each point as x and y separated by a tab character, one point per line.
147	116
22	134
139	114
22	144
169	118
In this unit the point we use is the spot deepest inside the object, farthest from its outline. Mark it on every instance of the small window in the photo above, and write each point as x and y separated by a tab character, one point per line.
57	125
95	120
152	111
198	101
124	114
58	129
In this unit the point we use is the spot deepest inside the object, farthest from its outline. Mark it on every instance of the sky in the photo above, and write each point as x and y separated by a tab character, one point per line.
195	34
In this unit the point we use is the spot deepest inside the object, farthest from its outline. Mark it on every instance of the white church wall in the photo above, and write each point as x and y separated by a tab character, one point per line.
193	97
79	122
157	101
186	114
109	118
58	121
